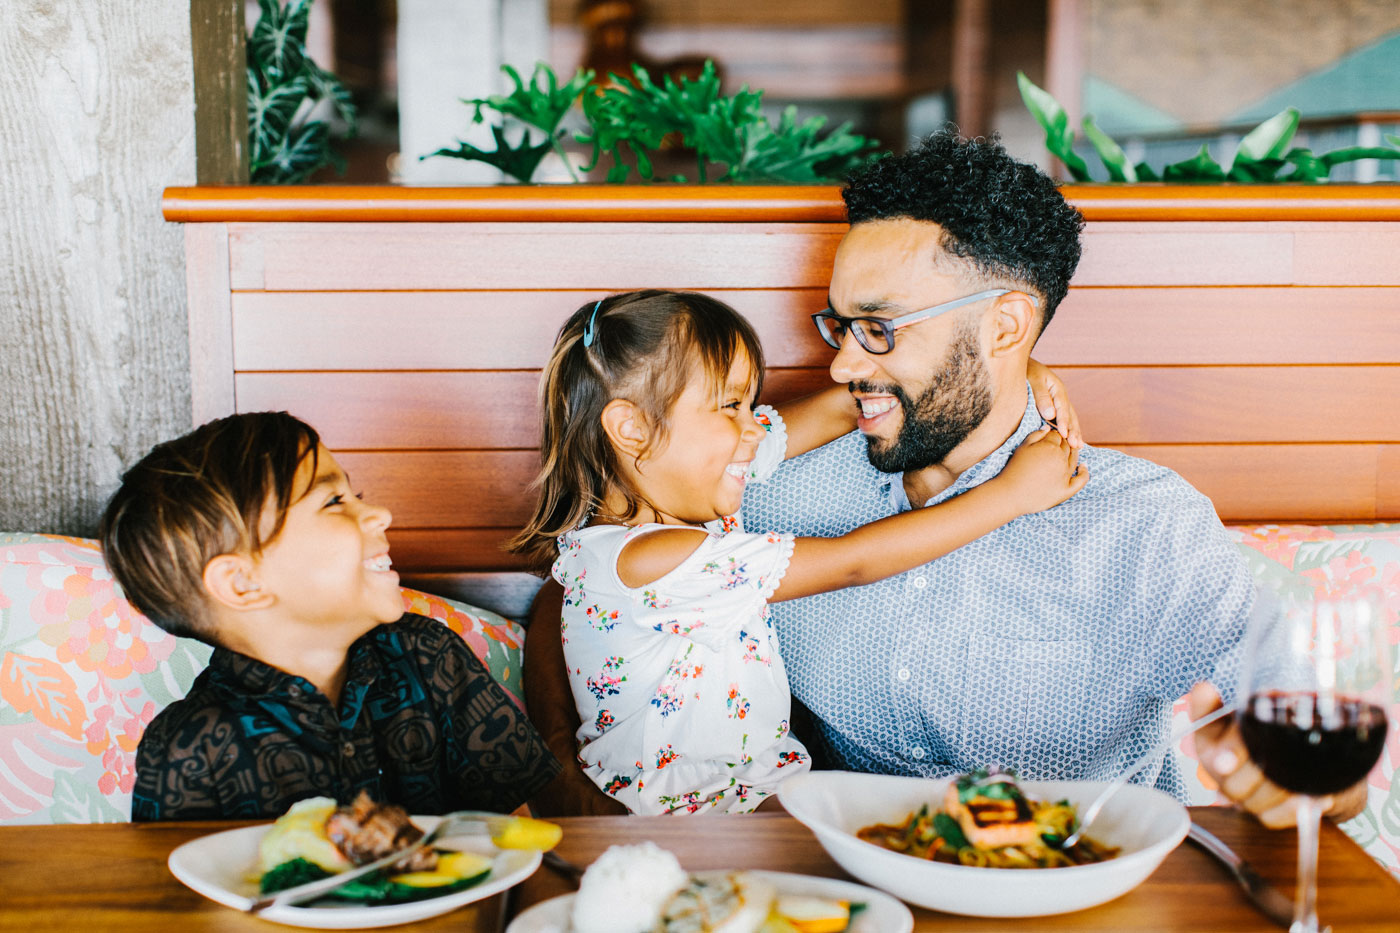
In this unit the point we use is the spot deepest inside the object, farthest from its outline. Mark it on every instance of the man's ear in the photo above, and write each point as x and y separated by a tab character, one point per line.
1015	322
625	427
232	580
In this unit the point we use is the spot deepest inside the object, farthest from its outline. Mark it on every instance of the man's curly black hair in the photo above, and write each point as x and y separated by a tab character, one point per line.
1006	218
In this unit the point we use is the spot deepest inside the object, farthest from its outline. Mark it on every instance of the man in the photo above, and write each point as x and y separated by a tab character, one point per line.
1058	644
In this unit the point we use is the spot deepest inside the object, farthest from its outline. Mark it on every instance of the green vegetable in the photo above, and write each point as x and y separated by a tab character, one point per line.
374	888
949	829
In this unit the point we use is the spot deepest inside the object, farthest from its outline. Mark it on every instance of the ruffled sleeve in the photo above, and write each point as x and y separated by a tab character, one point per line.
722	587
772	450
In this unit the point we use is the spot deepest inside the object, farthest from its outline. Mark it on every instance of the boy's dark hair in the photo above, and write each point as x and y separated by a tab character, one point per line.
643	346
193	498
1005	218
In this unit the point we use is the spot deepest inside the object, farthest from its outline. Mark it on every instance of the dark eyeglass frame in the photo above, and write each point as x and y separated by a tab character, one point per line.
887	326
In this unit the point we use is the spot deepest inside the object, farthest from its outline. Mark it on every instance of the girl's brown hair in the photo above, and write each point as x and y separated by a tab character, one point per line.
643	349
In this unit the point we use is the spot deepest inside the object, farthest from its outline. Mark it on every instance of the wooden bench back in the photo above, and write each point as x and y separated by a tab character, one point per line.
1249	342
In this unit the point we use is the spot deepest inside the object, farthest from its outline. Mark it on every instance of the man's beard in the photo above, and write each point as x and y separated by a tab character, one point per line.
957	400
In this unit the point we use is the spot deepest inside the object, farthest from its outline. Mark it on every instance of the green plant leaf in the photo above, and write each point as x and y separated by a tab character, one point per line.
1393	140
284	85
1145	172
1059	138
542	103
279	37
1201	167
1112	155
1356	153
518	160
1306	166
1252	171
1270	139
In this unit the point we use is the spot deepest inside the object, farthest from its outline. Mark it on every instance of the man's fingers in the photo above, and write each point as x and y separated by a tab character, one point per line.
1035	436
1203	700
1243	781
1266	797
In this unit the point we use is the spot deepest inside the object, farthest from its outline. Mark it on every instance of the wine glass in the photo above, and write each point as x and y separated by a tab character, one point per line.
1316	685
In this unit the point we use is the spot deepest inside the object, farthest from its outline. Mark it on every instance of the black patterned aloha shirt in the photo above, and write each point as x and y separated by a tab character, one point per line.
421	723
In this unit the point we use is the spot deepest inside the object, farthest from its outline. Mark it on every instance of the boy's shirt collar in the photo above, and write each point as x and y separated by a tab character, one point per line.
251	679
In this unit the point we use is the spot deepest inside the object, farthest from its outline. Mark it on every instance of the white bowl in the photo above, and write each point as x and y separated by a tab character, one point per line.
1144	823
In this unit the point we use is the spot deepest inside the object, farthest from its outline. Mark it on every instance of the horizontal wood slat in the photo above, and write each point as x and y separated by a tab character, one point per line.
486	410
609	257
1117	405
440	550
1094	326
489	489
469	329
1320	483
1236	404
1202	326
1310	483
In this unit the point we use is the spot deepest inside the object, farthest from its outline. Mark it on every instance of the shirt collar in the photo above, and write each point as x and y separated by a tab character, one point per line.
981	471
255	680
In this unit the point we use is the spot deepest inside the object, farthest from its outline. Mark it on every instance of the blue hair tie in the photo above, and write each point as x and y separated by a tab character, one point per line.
588	332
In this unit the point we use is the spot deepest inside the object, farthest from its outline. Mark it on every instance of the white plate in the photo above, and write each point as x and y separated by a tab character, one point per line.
1144	823
223	867
882	913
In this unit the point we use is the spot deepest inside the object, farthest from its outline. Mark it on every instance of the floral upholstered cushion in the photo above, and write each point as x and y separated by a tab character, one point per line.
1335	561
82	673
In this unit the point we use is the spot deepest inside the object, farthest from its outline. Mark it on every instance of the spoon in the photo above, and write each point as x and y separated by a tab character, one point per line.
1090	812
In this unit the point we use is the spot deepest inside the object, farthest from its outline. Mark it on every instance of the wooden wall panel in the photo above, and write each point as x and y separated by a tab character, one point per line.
1236	404
1117	405
1321	483
1170	326
446	489
433	410
1170	256
379	330
608	257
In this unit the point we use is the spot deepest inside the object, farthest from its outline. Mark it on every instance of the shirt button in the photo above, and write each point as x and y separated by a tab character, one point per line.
349	749
920	583
293	691
917	751
903	673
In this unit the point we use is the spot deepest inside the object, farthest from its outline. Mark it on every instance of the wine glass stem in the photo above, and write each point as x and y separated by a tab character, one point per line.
1305	902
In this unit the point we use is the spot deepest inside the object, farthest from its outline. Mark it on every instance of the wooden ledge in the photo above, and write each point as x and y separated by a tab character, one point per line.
508	203
731	204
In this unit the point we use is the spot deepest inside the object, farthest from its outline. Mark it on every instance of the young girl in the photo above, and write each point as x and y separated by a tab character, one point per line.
649	438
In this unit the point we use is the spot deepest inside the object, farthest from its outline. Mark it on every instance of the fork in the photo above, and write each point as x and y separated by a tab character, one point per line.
1090	812
451	824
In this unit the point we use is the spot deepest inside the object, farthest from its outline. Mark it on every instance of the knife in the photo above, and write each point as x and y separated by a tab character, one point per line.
1270	901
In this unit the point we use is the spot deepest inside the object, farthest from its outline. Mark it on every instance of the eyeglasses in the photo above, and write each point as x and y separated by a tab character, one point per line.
876	334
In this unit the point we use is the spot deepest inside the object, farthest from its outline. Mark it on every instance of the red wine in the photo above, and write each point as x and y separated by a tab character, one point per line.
1312	747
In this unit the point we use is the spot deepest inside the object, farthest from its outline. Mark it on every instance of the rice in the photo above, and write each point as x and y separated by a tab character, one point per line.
626	888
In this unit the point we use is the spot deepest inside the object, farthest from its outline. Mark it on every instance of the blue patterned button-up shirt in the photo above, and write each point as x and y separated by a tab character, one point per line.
1055	645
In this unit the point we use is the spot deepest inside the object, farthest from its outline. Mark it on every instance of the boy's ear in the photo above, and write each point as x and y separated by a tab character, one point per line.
232	580
1014	319
625	427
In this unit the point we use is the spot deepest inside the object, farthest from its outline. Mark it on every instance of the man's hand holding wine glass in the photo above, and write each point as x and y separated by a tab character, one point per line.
1221	751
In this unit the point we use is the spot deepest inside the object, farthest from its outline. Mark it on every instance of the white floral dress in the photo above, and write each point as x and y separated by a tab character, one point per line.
679	684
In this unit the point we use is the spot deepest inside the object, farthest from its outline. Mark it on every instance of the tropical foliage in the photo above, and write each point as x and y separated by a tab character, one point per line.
1264	155
285	144
631	120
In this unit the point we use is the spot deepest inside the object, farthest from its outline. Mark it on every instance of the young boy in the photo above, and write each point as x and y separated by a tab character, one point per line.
245	534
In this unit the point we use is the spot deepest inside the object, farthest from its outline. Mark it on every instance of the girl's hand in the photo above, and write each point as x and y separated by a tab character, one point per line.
1052	401
1043	472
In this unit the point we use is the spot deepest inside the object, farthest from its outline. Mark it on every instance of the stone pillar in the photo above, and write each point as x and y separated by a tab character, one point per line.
449	50
98	118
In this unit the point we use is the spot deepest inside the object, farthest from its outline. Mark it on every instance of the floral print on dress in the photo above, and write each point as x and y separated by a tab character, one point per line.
729	570
601	619
738	705
605	683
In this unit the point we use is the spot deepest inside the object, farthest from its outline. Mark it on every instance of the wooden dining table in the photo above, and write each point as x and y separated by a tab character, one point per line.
112	878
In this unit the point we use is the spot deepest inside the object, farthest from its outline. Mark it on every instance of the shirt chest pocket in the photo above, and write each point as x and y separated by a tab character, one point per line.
1025	703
